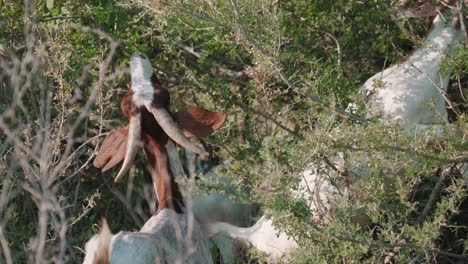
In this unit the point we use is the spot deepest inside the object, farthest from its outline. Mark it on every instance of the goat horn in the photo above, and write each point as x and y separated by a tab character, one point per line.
169	126
134	134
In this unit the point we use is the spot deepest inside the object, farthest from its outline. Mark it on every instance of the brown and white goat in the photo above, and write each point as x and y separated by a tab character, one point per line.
152	126
167	237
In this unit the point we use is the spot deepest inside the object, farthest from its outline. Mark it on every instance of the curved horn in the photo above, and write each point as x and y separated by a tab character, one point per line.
134	134
169	126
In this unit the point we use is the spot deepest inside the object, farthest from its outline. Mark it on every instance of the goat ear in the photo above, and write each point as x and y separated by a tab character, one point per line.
102	250
198	122
113	149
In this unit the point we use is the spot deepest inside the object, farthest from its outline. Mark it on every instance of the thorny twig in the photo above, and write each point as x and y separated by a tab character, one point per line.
462	20
259	113
435	192
460	89
343	173
440	89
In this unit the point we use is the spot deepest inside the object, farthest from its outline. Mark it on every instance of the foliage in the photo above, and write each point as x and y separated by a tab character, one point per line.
259	61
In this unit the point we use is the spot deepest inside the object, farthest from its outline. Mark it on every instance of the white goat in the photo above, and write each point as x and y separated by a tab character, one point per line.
414	92
167	237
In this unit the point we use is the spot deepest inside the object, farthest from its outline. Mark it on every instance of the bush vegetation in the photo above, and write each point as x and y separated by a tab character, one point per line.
282	70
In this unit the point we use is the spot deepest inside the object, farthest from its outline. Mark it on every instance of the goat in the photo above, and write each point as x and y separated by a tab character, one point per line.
399	93
170	235
402	92
146	105
166	237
